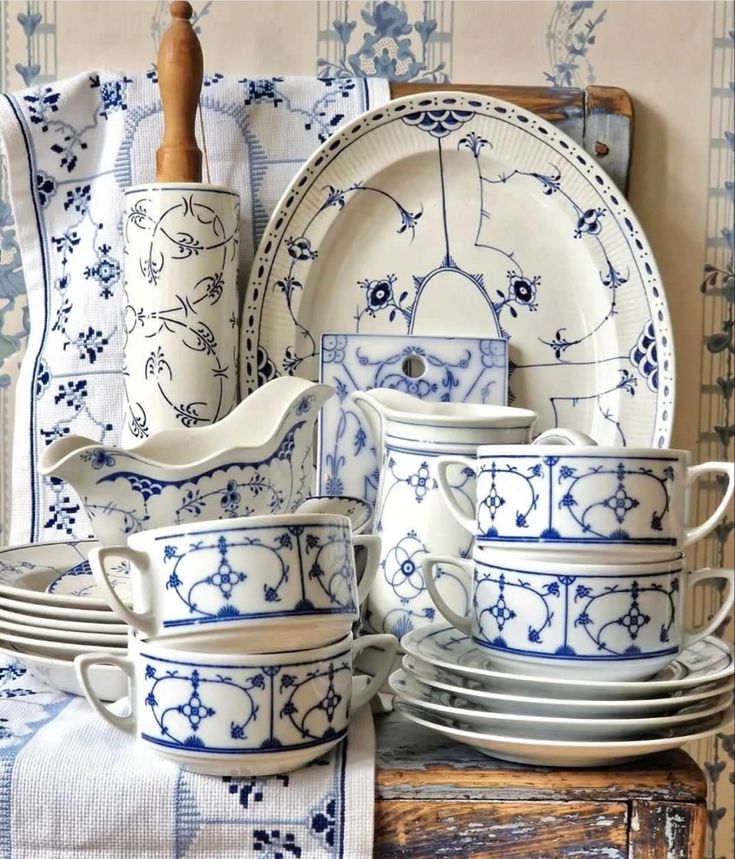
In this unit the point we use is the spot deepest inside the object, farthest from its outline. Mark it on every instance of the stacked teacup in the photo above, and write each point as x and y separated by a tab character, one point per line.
580	564
240	657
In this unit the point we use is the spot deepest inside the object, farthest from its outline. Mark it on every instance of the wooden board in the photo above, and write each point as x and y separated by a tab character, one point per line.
502	830
600	119
414	762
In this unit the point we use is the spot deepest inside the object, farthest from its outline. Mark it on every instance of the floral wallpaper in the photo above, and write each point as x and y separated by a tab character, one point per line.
682	183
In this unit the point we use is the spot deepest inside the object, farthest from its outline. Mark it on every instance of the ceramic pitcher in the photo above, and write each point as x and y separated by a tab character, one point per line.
411	516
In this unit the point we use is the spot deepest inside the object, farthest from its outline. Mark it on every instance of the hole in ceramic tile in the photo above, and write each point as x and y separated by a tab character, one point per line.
414	366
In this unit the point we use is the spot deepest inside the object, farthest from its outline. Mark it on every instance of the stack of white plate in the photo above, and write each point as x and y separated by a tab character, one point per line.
448	685
50	612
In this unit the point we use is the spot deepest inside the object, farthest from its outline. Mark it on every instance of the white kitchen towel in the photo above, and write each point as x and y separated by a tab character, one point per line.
72	786
72	147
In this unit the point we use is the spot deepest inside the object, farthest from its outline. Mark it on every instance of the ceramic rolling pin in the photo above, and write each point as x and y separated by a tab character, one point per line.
181	254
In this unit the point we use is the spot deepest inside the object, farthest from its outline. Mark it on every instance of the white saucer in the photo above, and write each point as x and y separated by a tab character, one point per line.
563	753
109	682
26	571
432	702
39	610
251	764
56	649
80	582
443	646
445	681
39	623
59	635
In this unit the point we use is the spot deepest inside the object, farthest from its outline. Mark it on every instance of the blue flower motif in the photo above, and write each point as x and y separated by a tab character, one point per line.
169	552
45	188
334	486
568	500
566	471
173	581
300	249
589	223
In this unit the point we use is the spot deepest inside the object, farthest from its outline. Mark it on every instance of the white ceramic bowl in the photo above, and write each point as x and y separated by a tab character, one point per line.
239	714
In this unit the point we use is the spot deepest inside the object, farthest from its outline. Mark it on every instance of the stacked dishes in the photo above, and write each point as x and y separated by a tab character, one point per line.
579	586
51	611
449	685
241	658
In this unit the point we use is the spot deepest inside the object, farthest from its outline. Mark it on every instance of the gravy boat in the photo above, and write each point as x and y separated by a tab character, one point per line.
257	460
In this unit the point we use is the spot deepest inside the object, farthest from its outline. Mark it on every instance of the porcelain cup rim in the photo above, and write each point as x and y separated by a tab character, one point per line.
269	520
511	557
160	650
541	450
443	414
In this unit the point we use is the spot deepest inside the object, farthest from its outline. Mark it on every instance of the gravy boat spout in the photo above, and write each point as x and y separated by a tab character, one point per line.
257	460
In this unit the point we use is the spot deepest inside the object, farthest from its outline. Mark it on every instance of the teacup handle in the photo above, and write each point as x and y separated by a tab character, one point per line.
82	665
562	435
442	464
462	623
691	637
389	645
371	544
692	535
144	621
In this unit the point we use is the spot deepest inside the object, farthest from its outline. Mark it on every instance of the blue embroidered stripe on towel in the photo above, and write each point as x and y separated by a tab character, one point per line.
70	785
71	148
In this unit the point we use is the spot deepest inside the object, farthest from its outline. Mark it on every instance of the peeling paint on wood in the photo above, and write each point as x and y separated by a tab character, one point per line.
667	830
500	830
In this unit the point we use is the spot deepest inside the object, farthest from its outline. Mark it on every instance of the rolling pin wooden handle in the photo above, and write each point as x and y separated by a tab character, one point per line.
180	70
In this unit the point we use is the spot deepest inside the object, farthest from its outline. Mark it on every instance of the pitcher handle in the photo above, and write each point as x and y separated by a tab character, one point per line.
372	544
694	635
692	535
562	435
447	493
389	645
374	418
144	621
462	623
82	665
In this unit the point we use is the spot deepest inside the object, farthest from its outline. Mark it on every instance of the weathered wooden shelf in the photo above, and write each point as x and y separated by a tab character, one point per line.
436	798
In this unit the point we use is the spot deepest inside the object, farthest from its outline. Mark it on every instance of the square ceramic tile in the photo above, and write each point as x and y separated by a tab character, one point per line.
443	369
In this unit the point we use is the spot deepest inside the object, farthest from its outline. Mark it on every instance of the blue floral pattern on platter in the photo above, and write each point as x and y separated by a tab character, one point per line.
579	499
583	309
523	612
301	703
442	369
265	571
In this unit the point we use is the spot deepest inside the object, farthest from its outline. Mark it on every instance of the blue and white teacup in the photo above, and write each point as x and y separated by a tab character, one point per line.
581	620
239	714
633	501
253	584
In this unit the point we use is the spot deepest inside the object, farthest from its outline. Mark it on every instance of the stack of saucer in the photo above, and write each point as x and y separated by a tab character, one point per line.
450	685
575	650
52	611
241	658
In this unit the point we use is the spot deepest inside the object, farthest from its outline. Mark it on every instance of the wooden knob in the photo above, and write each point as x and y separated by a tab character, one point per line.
180	71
